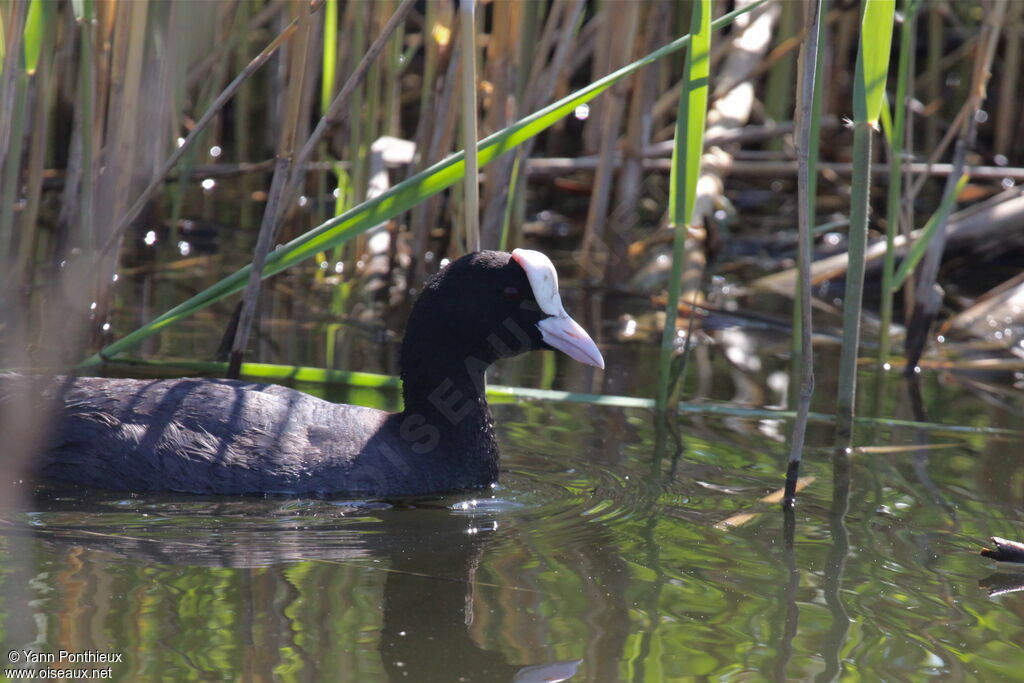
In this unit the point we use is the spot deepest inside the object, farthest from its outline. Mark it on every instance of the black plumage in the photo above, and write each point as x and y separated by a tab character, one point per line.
225	437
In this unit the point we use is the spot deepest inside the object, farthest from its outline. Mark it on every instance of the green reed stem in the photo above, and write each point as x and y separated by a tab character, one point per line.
689	145
896	142
807	240
869	91
807	123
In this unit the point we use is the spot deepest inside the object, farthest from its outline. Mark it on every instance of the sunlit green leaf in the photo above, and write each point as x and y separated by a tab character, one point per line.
34	27
686	154
330	54
690	122
873	59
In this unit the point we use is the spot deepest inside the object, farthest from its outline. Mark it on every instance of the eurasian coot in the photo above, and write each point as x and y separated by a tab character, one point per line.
224	437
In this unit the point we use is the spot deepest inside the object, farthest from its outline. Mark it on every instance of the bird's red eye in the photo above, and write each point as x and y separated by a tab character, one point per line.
512	294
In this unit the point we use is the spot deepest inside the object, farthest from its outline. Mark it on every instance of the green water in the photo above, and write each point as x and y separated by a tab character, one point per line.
594	555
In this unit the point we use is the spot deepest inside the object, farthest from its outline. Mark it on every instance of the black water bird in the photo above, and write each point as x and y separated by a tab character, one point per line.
225	437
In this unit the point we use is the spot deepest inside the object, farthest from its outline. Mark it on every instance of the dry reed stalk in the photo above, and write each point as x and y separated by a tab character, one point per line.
1007	123
624	17
337	113
199	127
298	61
636	140
503	76
45	89
438	136
933	81
604	46
468	87
14	24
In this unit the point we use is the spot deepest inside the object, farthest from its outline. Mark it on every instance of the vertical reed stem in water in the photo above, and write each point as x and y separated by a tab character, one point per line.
471	208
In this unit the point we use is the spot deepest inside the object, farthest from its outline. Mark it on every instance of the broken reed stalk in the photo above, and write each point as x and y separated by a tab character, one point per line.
275	208
805	117
928	299
471	181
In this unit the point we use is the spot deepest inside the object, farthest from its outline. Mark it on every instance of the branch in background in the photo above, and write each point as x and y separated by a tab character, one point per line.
995	219
1004	551
542	166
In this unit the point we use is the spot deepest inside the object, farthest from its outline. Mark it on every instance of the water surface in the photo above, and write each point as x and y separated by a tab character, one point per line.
595	555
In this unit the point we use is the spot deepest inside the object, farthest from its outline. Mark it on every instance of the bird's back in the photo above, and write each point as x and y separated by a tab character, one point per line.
202	436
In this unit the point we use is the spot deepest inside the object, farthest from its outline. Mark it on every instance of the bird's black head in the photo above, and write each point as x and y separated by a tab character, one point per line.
490	305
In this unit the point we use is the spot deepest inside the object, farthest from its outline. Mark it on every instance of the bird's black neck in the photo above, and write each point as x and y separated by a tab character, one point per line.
451	398
452	392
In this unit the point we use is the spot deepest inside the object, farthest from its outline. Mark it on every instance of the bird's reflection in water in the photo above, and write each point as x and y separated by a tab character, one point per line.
410	572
